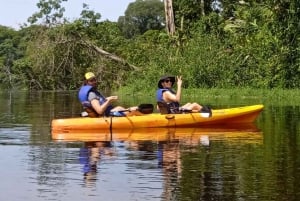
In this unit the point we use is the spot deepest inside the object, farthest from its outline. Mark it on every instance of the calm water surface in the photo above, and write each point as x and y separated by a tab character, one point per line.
255	162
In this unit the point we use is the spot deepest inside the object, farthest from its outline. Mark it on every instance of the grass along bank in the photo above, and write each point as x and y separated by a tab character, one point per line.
222	97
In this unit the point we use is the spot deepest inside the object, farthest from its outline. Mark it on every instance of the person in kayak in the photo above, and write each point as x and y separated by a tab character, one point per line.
95	104
166	95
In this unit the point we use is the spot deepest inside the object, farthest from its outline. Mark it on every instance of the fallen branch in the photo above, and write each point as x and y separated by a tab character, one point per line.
109	55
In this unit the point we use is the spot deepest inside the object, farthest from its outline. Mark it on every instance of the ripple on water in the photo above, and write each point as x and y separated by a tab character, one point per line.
15	135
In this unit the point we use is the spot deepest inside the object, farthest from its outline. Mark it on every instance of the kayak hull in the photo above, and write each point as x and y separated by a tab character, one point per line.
245	132
238	115
235	132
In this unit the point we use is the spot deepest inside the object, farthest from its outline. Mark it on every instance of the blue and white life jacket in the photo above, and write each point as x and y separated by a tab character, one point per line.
83	98
173	107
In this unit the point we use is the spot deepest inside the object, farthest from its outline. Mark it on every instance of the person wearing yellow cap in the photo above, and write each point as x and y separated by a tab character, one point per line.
94	103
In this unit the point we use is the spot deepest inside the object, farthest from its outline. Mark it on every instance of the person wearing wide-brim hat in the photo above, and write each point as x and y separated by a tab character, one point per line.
94	103
164	78
167	95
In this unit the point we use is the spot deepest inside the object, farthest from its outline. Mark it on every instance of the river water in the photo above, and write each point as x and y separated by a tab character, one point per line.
253	162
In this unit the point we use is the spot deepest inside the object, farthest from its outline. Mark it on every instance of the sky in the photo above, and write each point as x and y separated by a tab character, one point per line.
14	13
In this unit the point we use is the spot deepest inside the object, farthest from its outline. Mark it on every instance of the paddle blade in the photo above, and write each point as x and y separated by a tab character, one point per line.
146	108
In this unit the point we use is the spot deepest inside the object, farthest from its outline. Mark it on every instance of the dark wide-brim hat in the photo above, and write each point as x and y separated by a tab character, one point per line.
163	78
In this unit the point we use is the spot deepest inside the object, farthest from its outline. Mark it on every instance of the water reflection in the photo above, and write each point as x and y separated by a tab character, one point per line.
90	156
187	135
18	135
177	155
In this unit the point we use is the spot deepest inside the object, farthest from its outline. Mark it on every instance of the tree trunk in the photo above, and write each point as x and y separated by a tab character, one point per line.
202	8
170	25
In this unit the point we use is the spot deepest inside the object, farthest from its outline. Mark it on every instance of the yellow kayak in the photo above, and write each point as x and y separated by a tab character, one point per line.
236	132
238	115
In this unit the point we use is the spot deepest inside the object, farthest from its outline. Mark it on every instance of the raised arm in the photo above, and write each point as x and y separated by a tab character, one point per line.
178	93
170	97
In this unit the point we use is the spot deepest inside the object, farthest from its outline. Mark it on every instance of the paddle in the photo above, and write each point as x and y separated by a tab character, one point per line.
144	108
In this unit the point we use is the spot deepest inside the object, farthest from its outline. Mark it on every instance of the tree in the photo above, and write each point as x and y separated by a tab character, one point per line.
51	12
10	51
141	16
188	12
170	24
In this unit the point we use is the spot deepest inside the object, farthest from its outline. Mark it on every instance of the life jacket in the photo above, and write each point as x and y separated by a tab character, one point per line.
172	107
86	104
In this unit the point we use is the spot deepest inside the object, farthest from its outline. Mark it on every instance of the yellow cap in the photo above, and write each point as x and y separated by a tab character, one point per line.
89	75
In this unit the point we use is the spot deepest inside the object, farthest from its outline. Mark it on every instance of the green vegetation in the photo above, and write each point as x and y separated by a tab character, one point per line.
221	97
253	44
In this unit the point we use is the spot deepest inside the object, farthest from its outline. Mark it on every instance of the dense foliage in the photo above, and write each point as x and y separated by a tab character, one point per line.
142	16
234	44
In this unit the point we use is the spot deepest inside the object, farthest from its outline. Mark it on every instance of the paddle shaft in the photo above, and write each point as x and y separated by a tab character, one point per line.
143	108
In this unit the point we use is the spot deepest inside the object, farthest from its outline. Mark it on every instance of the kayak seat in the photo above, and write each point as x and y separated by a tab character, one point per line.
88	110
163	107
168	108
91	112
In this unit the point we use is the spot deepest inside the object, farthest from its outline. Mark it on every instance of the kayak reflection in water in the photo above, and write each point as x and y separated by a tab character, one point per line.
89	157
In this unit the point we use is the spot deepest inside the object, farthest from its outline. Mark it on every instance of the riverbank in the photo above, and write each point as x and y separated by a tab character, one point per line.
278	97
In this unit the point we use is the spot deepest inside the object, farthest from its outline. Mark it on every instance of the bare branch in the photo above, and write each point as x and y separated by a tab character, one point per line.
109	55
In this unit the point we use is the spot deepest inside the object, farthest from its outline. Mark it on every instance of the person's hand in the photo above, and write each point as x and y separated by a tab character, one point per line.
112	98
179	81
